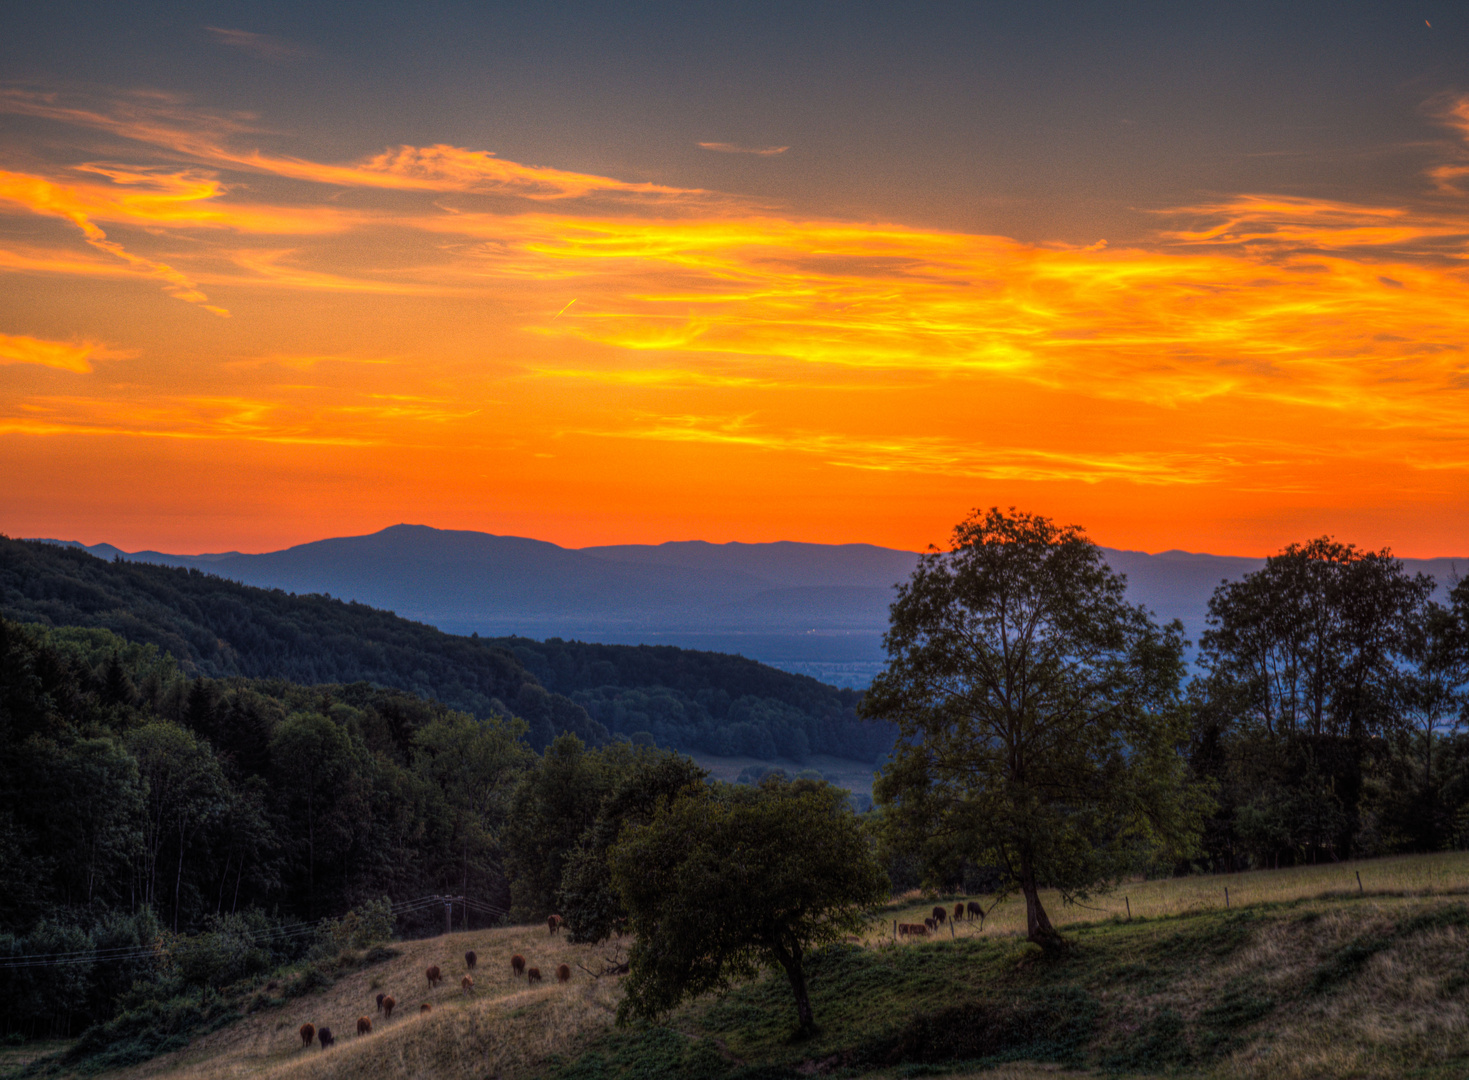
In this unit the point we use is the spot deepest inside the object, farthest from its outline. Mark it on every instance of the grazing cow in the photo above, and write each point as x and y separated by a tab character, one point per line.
958	912
470	959
517	965
902	929
308	1035
918	931
324	1036
425	1007
533	975
433	975
938	915
364	1026
388	1002
553	923
563	974
930	924
468	983
380	1002
975	911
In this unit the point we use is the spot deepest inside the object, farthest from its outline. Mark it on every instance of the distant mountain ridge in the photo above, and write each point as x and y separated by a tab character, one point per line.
216	627
817	609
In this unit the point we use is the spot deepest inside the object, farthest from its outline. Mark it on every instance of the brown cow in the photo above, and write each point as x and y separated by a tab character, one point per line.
903	929
425	1007
380	1002
468	983
975	911
308	1035
433	975
364	1026
470	959
553	922
938	915
958	912
388	1002
324	1036
533	975
517	965
563	974
918	931
930	924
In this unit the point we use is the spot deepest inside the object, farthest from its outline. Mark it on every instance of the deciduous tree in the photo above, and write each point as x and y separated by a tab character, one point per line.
719	885
1040	714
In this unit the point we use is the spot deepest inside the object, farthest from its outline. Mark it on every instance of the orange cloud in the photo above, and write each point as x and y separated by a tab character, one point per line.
1254	347
64	355
43	197
207	137
926	454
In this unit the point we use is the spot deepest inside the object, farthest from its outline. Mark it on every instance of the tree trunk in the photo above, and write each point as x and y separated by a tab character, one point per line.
178	881
1038	926
790	960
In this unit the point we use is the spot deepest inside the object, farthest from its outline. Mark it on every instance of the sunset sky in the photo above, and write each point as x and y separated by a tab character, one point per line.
610	273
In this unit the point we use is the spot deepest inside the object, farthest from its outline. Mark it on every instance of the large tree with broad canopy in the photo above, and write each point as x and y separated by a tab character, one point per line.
1040	715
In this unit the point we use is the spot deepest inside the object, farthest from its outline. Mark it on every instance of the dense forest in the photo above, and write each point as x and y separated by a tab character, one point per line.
714	702
151	800
677	698
1329	710
144	809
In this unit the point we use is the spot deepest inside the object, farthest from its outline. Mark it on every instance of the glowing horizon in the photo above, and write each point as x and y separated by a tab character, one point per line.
214	342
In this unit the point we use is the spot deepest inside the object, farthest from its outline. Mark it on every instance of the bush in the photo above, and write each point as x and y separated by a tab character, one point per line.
364	926
235	947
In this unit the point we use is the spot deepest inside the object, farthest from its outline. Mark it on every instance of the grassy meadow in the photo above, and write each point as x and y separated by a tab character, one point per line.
1302	976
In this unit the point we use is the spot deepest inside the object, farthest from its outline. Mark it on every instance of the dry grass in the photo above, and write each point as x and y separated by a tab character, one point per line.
504	1028
1405	1004
1402	875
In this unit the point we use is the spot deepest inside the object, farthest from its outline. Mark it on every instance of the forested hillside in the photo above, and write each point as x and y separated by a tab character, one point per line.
220	628
692	701
138	803
714	702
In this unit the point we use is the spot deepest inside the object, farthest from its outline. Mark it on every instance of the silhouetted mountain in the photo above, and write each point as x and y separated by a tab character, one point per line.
817	609
685	699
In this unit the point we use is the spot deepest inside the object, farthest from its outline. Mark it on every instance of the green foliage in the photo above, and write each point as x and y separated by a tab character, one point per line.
366	925
219	628
474	765
722	883
1040	715
233	947
702	701
591	907
1326	710
147	1027
555	802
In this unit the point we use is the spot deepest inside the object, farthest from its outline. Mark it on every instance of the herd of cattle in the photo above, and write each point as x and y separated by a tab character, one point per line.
934	921
386	1003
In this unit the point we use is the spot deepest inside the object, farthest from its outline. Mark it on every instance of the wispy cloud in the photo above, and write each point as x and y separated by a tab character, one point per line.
1252	309
214	139
260	46
927	454
65	355
735	148
43	197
